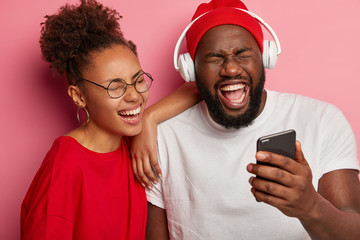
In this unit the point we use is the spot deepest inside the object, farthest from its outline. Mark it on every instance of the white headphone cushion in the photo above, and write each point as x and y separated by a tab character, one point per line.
186	67
272	54
269	54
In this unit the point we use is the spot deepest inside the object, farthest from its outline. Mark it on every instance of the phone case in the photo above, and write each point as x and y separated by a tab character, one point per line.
282	143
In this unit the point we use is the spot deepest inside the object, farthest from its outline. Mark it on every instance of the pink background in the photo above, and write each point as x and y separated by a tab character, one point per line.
319	59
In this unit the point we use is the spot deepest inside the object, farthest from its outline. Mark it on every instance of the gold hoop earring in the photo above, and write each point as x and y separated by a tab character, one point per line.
87	116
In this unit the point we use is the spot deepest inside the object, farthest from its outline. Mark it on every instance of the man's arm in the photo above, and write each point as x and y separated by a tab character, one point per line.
337	214
331	213
156	228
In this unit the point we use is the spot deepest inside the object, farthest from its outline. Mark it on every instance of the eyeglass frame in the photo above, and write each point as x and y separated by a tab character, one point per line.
116	79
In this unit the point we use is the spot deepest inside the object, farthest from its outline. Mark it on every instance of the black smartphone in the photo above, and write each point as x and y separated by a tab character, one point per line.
282	143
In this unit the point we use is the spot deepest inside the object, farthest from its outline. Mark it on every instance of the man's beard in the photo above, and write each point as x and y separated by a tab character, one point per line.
218	113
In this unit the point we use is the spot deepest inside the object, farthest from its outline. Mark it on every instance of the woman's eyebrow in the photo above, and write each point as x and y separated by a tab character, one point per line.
137	74
132	78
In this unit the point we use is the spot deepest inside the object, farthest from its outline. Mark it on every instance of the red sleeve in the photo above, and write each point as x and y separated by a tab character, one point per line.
48	208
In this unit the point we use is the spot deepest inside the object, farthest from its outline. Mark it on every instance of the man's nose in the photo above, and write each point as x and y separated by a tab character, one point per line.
231	67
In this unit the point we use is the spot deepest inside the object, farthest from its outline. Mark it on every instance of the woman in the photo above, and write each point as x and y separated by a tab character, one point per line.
85	187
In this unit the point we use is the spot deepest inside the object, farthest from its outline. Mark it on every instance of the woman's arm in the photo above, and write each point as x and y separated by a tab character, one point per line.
143	146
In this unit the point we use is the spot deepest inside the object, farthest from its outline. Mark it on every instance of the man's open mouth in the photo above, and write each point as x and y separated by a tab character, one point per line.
235	94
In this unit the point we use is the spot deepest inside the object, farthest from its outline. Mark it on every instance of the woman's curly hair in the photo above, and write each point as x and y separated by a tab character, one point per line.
70	36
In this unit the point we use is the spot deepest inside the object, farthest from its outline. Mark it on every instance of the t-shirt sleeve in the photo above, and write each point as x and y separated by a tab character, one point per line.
338	144
48	208
155	195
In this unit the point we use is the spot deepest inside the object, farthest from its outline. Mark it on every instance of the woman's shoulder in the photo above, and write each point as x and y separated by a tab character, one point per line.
65	145
63	154
57	164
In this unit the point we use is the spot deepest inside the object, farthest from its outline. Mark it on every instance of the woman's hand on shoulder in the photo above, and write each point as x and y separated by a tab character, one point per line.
144	153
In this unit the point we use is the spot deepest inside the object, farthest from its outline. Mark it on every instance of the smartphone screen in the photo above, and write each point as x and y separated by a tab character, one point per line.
282	143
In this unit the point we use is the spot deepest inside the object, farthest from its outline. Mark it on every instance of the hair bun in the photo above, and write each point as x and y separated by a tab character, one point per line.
68	37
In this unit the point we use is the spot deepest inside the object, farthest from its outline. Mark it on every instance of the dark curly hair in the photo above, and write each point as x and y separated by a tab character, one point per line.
76	31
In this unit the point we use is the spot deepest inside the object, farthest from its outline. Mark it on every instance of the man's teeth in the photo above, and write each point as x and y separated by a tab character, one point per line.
232	87
235	93
130	112
239	100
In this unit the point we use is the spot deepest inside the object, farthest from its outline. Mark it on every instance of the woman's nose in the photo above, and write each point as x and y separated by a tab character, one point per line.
131	94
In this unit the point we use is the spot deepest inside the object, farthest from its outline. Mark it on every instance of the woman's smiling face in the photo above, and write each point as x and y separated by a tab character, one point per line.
121	116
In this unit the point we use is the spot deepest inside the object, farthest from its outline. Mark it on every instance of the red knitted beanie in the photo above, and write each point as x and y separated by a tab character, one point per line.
220	12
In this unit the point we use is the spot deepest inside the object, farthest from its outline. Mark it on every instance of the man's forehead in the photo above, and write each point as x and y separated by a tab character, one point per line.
225	35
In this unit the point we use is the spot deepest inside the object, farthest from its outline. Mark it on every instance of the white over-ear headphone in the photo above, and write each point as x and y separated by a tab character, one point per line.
185	65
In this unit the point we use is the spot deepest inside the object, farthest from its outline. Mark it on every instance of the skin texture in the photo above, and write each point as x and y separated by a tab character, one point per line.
287	185
156	227
106	124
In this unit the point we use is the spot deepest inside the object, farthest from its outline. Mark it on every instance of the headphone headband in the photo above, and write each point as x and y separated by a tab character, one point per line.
181	38
260	20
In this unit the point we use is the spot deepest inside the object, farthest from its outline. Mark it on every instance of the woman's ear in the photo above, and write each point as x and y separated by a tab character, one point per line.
77	96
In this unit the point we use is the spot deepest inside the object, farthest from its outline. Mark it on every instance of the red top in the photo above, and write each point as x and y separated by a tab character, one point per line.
81	194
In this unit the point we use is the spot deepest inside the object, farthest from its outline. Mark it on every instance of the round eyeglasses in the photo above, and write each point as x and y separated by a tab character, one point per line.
117	87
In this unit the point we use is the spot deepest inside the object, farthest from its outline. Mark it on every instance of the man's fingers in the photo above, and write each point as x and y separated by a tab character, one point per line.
299	155
276	160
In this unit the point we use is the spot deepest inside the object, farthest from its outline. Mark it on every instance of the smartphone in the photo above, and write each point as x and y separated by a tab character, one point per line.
282	143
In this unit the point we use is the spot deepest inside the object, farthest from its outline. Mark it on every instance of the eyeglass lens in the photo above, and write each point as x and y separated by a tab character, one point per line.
117	87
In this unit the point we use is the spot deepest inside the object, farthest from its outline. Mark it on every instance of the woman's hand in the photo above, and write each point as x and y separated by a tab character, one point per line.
143	146
144	153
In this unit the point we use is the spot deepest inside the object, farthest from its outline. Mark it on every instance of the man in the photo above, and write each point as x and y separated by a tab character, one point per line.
207	153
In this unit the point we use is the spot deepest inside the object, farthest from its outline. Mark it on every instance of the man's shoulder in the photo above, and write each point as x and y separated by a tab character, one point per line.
301	101
293	96
189	114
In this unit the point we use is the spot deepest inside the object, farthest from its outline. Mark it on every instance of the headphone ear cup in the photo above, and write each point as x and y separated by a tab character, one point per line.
186	67
269	54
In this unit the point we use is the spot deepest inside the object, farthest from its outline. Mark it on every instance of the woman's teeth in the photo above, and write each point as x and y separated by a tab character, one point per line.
130	114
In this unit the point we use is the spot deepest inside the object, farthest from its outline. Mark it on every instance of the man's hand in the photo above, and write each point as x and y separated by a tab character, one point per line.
286	185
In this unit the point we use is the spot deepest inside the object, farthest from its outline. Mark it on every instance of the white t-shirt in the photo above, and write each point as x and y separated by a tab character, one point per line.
205	188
